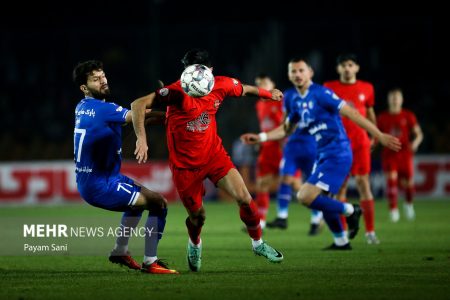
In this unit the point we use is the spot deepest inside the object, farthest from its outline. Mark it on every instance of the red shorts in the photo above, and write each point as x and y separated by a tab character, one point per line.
269	159
400	162
189	182
361	159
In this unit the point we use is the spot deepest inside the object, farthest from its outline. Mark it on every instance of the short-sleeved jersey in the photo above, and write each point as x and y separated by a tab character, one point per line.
361	96
300	135
318	112
399	125
97	139
192	137
270	114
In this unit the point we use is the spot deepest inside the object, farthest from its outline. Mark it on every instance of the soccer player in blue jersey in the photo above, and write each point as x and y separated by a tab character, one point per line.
299	153
97	151
318	111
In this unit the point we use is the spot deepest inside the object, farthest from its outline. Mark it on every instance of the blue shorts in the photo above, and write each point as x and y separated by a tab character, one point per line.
117	193
329	173
297	156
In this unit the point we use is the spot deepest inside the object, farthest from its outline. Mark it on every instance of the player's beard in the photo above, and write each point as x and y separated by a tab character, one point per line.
101	94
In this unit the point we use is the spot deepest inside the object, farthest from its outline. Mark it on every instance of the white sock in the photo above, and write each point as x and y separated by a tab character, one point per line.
282	214
121	248
341	241
256	243
349	209
194	245
148	260
262	223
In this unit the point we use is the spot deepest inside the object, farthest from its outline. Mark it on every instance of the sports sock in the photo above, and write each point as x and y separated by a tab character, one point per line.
316	216
283	198
154	228
262	200
329	205
368	210
333	221
392	193
409	194
193	231
343	218
249	215
130	219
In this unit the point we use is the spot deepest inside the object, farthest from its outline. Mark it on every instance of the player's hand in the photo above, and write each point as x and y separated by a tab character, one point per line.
277	95
391	142
250	138
141	151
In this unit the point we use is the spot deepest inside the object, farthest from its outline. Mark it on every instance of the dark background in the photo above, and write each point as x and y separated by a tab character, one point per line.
141	42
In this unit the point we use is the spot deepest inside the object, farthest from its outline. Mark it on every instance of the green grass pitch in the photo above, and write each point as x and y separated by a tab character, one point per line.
412	261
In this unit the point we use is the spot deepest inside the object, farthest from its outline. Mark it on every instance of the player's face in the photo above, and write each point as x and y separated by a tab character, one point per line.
299	73
265	83
348	70
97	85
395	100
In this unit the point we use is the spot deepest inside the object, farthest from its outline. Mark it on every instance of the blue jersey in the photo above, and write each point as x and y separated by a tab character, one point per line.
318	112
301	135
97	139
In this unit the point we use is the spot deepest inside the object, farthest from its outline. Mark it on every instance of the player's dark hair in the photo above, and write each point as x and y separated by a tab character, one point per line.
299	59
263	76
196	56
83	69
346	57
395	89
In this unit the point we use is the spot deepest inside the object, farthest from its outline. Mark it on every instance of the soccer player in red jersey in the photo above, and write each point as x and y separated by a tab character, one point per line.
398	166
360	95
270	116
196	152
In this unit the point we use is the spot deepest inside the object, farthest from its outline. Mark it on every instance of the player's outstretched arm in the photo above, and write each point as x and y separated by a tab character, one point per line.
385	139
274	94
138	109
273	135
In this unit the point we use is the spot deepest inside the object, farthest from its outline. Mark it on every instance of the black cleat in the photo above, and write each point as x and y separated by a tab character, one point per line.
314	229
336	247
278	223
353	222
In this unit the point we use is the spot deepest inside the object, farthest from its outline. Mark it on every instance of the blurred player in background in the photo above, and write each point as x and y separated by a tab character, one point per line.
270	116
398	166
98	149
360	95
299	153
196	152
318	111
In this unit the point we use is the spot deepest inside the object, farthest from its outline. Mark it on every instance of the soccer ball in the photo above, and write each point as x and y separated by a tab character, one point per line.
197	80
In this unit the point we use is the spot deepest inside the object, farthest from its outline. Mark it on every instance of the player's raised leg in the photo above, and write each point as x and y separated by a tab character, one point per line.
234	185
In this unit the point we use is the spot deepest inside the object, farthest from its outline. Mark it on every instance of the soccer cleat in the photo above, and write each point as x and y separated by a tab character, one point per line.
157	267
194	257
394	215
336	247
353	221
278	223
372	239
124	260
268	252
410	214
314	229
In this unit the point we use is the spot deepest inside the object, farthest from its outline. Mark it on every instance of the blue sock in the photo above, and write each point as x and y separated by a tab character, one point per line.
326	204
130	219
154	228
316	216
333	221
284	197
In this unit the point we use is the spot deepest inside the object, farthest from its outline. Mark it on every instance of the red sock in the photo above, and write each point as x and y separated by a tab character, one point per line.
194	231
249	215
262	200
392	192
343	218
409	193
368	210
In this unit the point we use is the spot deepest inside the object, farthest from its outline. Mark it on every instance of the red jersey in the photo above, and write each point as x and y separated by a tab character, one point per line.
399	125
191	127
360	95
270	114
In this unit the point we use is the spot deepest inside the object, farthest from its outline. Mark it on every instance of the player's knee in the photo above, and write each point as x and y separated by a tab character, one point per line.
198	219
304	197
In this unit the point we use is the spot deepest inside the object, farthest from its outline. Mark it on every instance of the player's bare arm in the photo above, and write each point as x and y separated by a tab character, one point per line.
418	137
274	94
385	139
275	134
138	109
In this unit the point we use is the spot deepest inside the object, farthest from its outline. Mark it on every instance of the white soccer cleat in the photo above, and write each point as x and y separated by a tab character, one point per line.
395	215
409	211
372	239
